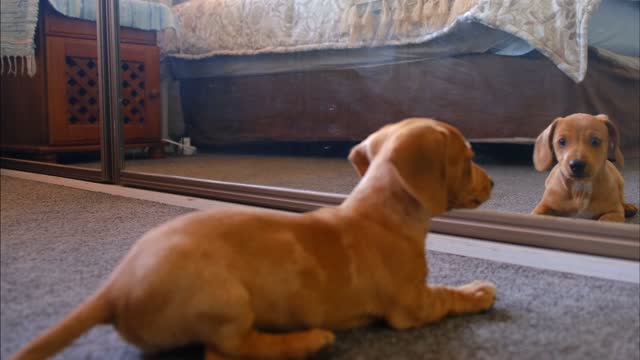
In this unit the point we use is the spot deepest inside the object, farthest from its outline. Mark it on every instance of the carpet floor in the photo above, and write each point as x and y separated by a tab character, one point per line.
58	244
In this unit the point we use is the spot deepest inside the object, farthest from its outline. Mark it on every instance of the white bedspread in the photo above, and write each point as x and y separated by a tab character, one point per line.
247	27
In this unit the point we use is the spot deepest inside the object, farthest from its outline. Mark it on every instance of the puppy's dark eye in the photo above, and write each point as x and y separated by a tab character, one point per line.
595	141
562	142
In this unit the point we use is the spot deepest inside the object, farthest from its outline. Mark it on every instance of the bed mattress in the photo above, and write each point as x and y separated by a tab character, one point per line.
464	38
614	27
207	28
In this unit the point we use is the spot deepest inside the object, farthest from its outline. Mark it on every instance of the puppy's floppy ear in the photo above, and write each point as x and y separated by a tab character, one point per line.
543	156
359	158
613	148
419	155
363	154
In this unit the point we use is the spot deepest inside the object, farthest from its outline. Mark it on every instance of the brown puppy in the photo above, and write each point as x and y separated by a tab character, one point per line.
227	278
584	183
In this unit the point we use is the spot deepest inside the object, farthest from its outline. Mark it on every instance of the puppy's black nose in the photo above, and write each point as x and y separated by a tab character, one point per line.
577	167
491	182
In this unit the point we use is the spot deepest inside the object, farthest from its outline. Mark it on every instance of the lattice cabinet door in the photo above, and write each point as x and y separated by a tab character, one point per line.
72	84
140	86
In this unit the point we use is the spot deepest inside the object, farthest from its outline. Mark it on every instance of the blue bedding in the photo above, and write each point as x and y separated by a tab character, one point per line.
615	26
138	14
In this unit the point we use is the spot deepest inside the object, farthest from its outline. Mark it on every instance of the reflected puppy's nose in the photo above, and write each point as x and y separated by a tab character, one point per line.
577	166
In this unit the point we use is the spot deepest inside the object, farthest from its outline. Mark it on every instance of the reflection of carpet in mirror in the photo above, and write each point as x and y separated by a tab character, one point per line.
518	186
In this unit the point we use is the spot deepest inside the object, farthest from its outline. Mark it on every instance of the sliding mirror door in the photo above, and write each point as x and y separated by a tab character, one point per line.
256	104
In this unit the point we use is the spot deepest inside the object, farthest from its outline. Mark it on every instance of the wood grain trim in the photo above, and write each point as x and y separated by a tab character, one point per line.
271	197
581	236
575	235
72	172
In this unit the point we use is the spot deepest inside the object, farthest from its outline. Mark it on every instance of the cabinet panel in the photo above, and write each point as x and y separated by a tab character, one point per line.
140	86
72	83
74	92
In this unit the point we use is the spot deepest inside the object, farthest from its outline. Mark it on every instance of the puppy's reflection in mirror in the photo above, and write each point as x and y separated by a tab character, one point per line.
584	183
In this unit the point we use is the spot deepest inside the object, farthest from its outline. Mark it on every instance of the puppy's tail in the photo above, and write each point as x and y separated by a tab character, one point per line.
95	310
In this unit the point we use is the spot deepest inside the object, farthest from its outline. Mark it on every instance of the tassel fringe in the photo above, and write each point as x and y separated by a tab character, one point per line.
18	65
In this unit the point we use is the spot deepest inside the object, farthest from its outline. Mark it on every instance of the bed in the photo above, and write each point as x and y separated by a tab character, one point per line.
255	70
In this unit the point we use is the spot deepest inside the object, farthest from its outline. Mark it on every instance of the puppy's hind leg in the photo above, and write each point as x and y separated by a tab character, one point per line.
227	331
259	345
630	210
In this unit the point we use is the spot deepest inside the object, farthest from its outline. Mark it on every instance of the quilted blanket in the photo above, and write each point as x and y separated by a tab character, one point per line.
138	14
557	28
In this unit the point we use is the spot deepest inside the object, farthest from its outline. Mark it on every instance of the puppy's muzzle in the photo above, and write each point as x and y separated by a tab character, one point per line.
577	167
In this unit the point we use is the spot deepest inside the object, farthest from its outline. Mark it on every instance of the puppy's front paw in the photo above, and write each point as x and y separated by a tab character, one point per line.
481	293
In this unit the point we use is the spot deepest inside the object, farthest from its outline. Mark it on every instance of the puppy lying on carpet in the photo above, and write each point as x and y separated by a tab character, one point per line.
264	284
584	183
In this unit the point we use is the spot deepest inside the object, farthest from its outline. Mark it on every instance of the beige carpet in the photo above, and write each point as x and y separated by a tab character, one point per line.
58	244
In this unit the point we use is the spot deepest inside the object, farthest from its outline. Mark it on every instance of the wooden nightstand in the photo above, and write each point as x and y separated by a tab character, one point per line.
57	110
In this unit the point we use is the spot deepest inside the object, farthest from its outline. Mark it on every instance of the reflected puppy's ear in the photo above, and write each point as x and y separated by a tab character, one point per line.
419	155
613	148
543	156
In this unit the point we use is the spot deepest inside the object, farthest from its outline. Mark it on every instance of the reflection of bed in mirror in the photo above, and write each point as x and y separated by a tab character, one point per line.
490	84
496	87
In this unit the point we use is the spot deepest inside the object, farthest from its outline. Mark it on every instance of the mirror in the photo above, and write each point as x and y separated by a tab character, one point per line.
50	108
278	96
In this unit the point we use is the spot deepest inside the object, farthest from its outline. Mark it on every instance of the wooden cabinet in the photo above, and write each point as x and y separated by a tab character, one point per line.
58	110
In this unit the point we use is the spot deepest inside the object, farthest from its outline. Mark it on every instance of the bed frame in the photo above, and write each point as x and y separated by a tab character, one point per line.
489	97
